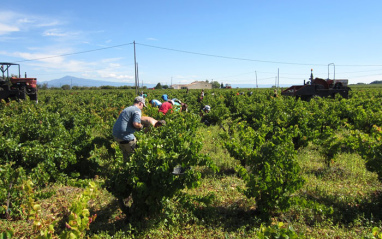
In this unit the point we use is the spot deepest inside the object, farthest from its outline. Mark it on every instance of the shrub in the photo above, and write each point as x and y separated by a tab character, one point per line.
147	177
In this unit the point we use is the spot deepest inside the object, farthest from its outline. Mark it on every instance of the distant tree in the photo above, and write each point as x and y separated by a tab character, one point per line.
44	86
65	87
215	85
207	81
158	86
165	86
221	85
376	82
107	87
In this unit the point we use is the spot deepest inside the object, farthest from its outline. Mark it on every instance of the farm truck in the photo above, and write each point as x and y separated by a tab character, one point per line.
318	87
16	87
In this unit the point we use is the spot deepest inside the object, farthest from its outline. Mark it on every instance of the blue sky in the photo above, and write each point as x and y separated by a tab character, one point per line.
179	41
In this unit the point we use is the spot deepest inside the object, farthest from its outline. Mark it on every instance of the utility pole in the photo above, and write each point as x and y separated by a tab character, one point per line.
256	80
278	77
137	75
135	69
275	81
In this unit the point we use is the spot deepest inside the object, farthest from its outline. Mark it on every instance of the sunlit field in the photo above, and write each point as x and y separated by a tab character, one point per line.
257	166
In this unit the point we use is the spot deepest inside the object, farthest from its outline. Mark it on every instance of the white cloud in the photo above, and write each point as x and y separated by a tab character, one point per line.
60	35
7	16
8	22
55	33
47	58
54	59
111	60
49	23
15	22
25	20
88	69
113	75
5	29
114	65
152	39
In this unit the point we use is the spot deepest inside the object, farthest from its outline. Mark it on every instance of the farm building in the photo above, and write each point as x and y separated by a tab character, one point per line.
194	85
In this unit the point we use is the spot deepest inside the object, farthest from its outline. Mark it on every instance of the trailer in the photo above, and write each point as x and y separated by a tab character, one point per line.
318	87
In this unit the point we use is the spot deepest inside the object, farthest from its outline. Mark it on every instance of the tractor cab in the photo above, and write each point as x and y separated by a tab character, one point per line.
14	86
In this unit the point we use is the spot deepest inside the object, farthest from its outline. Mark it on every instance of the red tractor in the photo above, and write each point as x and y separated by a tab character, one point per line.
318	87
13	87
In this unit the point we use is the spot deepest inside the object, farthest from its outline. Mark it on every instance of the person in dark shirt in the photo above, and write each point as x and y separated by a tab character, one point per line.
128	122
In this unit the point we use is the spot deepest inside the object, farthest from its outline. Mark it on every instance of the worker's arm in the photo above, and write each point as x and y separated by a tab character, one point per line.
137	125
147	121
137	120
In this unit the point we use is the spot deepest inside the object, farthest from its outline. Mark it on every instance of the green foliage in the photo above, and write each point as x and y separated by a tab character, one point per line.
50	146
277	231
158	86
242	141
346	141
11	179
215	85
7	234
65	87
43	225
375	233
66	138
147	177
79	218
311	210
371	150
269	167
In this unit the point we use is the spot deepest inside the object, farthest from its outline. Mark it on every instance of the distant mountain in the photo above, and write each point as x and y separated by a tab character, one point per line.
74	81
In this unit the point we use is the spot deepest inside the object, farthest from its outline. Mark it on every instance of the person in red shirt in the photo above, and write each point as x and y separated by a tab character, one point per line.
166	106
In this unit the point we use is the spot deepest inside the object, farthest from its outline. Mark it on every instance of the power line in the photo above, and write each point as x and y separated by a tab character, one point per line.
244	59
380	74
76	53
228	57
196	53
359	71
261	79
